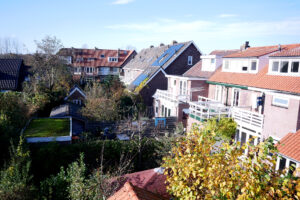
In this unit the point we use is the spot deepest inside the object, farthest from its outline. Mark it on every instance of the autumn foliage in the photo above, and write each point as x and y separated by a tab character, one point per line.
202	167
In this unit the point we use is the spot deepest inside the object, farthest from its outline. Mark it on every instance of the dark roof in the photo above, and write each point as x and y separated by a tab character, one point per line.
9	73
96	57
196	71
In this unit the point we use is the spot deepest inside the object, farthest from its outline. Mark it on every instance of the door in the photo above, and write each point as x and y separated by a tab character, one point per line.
235	97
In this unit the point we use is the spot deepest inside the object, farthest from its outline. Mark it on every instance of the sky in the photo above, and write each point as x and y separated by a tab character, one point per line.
112	24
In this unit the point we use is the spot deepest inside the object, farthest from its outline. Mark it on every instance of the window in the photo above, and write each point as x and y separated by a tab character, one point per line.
295	67
292	167
218	93
280	101
77	70
184	87
190	60
236	97
77	101
226	64
180	88
169	112
156	109
244	68
80	59
89	70
275	66
90	59
282	164
174	82
115	69
102	56
284	66
253	66
112	59
162	110
212	61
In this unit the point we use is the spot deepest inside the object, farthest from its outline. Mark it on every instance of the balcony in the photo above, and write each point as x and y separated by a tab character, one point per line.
206	108
248	119
165	95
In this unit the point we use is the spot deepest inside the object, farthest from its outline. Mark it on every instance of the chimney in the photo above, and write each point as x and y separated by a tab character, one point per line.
245	46
279	47
174	42
151	46
162	44
96	48
118	53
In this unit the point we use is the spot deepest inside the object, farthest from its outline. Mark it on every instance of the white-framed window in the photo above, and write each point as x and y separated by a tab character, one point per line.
253	65
280	101
174	82
184	88
285	66
226	64
212	61
77	101
235	97
190	60
219	93
77	70
89	70
112	59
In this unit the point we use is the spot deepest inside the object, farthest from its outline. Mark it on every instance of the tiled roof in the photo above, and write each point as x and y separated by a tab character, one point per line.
152	180
131	192
260	51
224	52
288	53
259	80
196	71
92	57
9	73
290	145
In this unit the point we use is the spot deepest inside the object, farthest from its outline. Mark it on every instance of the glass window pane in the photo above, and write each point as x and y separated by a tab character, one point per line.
284	66
282	163
275	66
295	67
253	65
292	167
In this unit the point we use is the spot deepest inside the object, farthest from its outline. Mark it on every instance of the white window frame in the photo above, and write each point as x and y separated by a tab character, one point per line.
233	100
89	70
77	101
250	66
112	59
77	70
280	60
219	93
190	60
274	103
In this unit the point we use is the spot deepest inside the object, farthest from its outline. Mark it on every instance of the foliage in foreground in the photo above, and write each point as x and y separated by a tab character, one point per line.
15	180
198	169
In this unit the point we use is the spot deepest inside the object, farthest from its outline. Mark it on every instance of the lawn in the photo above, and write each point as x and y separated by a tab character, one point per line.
48	127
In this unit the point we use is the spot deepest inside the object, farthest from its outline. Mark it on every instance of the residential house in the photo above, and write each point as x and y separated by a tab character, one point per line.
95	64
12	74
289	152
174	102
147	71
259	87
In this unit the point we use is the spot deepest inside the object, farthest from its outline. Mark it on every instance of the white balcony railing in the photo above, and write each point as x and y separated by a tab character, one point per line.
206	108
247	118
164	94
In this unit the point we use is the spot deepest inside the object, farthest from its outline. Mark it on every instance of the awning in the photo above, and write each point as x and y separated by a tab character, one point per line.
227	85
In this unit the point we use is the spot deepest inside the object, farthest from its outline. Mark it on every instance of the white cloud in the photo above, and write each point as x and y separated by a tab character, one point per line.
227	15
119	2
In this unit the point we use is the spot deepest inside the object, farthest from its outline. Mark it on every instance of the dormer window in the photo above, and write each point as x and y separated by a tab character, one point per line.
295	67
112	59
275	66
190	60
226	64
212	61
102	56
284	67
253	66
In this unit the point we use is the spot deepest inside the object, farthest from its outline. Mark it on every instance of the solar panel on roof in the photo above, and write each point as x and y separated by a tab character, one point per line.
140	79
160	61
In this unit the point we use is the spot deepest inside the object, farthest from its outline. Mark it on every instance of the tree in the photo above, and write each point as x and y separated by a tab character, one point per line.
199	168
15	180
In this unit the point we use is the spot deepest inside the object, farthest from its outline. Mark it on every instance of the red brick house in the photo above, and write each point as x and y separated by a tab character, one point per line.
94	64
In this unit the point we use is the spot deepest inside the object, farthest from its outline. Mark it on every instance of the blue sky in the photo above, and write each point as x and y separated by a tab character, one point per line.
140	23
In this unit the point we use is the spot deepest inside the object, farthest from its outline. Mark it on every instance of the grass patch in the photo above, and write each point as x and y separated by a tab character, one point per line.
48	128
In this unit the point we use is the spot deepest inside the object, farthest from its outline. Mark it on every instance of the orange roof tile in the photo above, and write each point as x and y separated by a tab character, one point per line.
130	192
290	145
288	53
259	80
260	51
224	52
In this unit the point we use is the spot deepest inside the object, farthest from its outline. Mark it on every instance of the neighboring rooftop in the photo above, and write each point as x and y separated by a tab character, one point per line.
260	51
131	192
260	80
96	57
224	52
295	52
48	127
196	71
289	146
9	73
